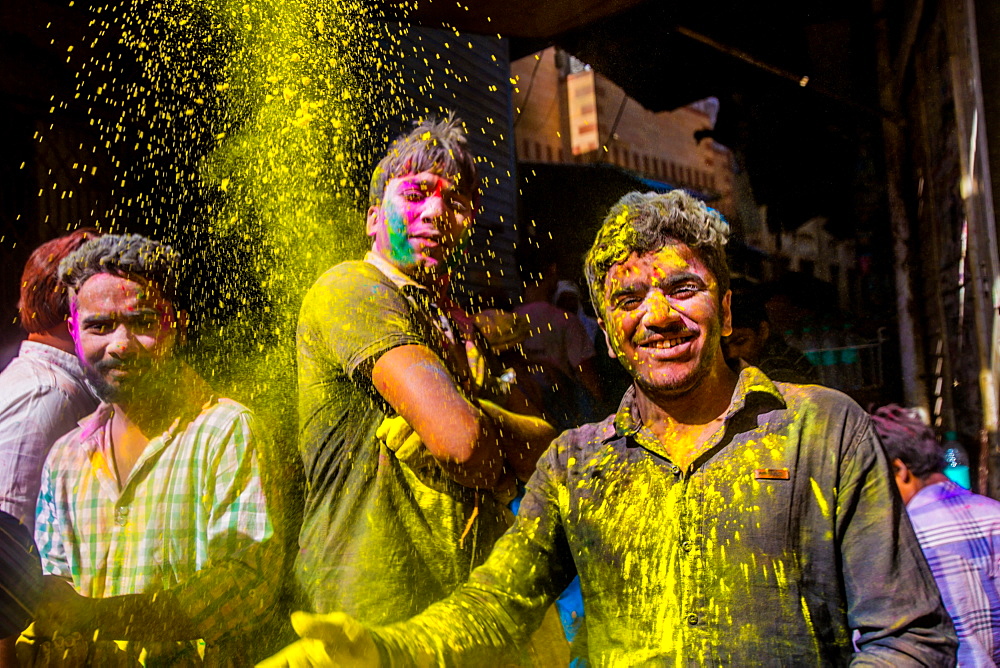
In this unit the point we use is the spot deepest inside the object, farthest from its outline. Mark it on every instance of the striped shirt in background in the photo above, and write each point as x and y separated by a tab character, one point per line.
959	533
191	519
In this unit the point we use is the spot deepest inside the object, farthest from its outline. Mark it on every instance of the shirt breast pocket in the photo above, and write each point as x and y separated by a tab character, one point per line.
752	510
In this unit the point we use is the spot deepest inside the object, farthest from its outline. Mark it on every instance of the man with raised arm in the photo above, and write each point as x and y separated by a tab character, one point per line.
719	518
152	524
409	457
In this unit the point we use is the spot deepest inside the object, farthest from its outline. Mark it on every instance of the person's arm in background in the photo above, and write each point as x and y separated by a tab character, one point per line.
892	599
524	438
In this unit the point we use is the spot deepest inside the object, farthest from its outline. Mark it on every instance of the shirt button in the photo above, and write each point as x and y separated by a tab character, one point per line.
121	515
675	469
692	619
686	546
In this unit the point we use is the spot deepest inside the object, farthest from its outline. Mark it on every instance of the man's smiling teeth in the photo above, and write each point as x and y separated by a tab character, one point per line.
667	343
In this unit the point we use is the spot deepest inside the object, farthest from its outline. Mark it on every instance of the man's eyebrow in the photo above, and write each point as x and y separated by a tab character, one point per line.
683	277
415	182
628	287
137	314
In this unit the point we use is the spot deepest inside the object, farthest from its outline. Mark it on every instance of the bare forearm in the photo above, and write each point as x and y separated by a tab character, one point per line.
462	438
480	463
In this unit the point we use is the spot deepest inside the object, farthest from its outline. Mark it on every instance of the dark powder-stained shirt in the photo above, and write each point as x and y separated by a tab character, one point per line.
384	533
782	537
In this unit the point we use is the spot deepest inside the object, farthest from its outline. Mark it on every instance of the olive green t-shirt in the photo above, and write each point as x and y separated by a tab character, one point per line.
382	533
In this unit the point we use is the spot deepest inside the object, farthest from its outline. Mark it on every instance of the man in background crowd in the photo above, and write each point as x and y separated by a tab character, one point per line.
43	392
754	341
560	351
152	524
958	531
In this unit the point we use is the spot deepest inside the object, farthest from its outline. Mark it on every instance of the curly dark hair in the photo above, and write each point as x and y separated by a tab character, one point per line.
645	222
130	255
434	145
906	437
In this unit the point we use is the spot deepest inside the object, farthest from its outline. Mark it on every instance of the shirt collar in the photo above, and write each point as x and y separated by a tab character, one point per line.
68	362
933	493
93	425
752	381
391	271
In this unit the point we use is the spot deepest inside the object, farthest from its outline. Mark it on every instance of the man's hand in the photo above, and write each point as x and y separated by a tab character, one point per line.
65	651
335	639
400	437
61	611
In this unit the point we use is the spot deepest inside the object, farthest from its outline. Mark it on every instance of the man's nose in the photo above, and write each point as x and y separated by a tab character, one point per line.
659	310
435	209
122	341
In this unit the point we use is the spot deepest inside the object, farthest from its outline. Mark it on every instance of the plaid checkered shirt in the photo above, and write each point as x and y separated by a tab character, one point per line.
959	533
189	521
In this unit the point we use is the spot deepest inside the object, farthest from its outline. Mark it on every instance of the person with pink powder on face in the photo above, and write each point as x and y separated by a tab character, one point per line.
408	455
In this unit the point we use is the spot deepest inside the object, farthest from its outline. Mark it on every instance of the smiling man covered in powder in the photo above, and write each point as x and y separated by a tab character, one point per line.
719	518
396	519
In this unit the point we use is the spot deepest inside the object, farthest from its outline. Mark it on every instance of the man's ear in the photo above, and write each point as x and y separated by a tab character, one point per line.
764	331
607	339
726	313
372	220
72	318
902	471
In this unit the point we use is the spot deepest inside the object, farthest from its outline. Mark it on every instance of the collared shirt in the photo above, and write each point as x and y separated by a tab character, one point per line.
445	341
190	519
384	533
42	396
782	537
960	534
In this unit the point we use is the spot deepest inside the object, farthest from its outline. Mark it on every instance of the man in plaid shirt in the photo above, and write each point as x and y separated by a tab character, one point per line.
958	531
151	523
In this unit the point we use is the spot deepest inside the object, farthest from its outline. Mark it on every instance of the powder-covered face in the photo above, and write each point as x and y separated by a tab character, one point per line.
124	332
422	219
663	319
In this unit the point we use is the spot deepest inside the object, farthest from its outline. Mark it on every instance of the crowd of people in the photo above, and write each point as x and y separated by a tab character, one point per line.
727	512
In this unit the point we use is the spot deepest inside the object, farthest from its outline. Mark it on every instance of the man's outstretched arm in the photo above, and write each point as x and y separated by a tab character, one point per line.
486	620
